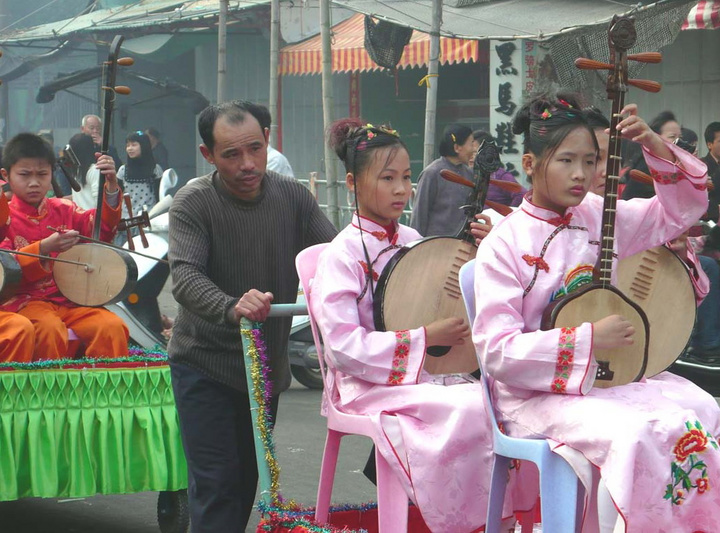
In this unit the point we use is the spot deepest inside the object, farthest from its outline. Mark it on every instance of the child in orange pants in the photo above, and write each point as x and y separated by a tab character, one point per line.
17	338
28	163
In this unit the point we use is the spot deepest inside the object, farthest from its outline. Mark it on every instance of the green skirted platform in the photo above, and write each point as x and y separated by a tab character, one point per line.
84	431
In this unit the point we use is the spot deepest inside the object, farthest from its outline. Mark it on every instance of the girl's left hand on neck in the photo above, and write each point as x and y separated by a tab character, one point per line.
636	129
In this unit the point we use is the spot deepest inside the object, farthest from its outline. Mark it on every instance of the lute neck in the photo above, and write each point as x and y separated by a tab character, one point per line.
603	273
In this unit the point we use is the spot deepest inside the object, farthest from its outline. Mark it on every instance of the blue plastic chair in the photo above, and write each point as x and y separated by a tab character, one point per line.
558	483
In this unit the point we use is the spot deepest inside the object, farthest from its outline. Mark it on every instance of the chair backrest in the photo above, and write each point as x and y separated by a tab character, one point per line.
306	265
467	288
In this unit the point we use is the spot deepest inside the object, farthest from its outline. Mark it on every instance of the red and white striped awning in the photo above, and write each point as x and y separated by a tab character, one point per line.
349	54
704	16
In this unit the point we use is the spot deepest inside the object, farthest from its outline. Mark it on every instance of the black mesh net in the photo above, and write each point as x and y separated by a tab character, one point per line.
655	28
385	41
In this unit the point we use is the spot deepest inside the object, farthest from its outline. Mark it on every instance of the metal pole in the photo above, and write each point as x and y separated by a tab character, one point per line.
222	52
432	80
274	56
328	108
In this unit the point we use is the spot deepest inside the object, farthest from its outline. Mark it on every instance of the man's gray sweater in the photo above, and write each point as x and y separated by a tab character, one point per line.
220	248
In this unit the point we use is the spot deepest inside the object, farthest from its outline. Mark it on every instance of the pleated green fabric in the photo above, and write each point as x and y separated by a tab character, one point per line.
75	433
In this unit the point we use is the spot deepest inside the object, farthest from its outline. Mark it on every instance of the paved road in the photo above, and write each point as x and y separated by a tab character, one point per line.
300	435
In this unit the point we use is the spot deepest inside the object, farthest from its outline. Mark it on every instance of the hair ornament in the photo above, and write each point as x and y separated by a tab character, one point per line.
565	103
452	136
389	131
370	134
545	114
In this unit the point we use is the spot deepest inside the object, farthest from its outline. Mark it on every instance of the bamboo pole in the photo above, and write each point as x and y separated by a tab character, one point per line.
328	109
274	56
432	81
222	52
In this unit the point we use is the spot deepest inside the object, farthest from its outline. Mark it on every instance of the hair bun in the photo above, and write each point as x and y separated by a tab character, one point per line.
521	122
340	132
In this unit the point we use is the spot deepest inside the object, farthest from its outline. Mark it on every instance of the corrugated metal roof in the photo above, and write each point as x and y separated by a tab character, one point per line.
503	19
137	15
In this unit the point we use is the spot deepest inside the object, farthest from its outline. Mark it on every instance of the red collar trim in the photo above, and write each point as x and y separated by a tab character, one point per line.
544	214
28	210
375	230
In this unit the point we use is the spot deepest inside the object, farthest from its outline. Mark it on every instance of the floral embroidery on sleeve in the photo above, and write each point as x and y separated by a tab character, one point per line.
400	358
688	470
566	356
671	178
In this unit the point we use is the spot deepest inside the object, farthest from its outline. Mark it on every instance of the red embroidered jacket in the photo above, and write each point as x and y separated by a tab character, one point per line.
29	225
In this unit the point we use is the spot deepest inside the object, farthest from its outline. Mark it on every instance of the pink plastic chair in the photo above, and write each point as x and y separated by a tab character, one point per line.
392	500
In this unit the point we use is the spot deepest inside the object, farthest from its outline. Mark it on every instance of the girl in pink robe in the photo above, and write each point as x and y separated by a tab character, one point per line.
652	443
437	438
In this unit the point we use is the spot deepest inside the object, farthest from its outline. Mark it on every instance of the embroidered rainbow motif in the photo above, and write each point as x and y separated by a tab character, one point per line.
576	278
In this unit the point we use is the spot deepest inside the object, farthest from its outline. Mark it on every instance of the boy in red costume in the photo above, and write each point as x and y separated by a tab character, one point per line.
28	163
17	336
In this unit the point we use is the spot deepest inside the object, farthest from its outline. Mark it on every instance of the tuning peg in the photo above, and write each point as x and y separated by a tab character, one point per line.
456	178
646	57
646	85
500	208
125	61
509	186
119	89
590	64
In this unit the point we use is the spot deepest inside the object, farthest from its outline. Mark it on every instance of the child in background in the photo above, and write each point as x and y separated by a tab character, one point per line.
141	175
28	163
652	442
436	438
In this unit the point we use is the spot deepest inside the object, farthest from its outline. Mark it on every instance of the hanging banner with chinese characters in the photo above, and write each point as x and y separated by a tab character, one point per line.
354	110
531	68
507	83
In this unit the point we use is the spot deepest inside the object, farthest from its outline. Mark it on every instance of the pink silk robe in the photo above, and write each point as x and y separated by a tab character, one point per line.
29	225
652	442
445	455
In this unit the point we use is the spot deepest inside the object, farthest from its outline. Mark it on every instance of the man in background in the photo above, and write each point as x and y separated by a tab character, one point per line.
92	125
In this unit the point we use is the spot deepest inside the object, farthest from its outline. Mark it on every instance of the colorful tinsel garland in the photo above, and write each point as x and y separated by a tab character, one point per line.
287	515
135	355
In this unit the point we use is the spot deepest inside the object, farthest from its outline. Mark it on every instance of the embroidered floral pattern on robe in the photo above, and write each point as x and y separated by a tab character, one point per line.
576	278
400	358
688	470
566	355
673	177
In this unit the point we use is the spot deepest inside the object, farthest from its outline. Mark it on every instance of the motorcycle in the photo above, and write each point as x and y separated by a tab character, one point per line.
304	364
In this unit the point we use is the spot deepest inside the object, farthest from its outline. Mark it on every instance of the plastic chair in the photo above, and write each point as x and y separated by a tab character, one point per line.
392	499
558	482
